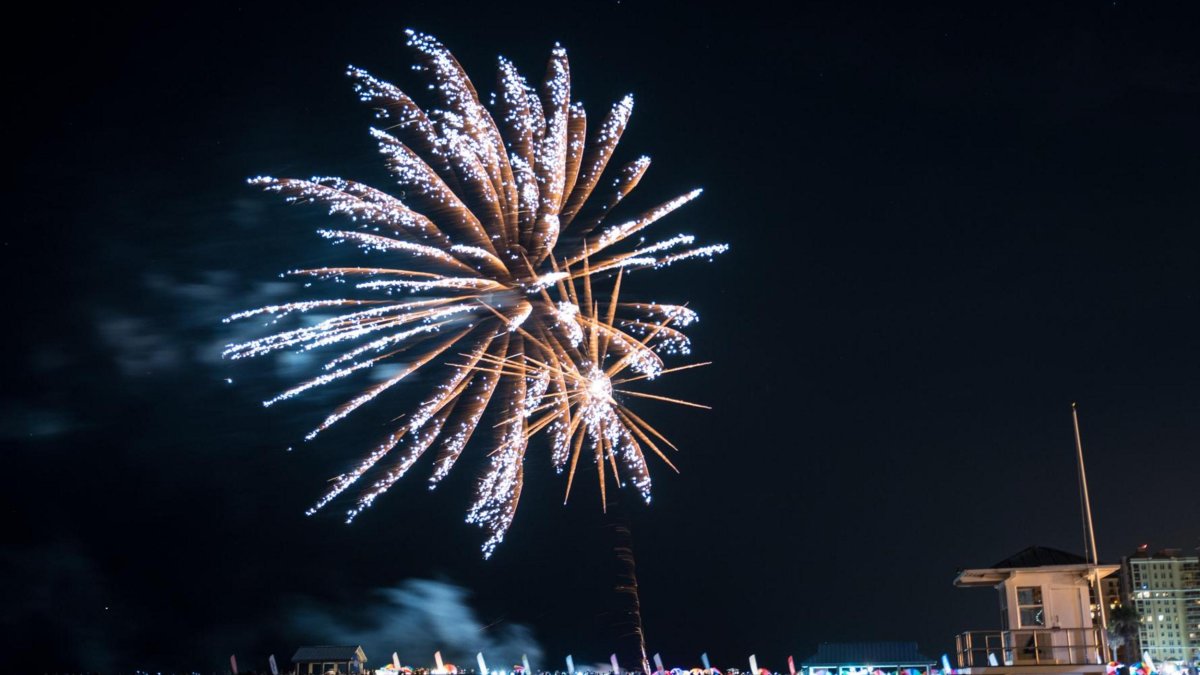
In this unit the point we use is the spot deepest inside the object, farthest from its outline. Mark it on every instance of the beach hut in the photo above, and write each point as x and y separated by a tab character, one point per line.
343	660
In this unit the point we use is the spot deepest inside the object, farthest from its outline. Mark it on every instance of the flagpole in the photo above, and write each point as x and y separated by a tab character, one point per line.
1094	577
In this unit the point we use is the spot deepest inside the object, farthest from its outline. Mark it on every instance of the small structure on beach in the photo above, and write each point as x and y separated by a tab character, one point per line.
1049	624
867	658
344	660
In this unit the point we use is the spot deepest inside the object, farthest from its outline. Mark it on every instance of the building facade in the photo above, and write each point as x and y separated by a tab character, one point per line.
1164	589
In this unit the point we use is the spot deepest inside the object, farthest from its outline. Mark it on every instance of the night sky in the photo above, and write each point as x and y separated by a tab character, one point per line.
946	224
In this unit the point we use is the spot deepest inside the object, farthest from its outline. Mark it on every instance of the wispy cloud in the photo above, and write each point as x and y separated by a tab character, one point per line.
415	619
177	322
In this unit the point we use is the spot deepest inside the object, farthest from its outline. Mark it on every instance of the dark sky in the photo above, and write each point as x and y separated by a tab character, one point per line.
947	224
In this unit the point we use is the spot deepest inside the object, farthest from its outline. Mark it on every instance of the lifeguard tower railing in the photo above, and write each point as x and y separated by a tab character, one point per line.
1028	646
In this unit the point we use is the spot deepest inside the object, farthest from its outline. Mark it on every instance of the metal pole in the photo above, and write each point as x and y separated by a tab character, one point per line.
1094	577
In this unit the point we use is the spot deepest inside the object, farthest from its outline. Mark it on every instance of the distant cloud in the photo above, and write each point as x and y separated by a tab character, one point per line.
20	422
415	619
138	345
177	323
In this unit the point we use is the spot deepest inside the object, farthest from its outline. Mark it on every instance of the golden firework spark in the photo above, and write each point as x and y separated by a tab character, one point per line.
496	228
573	395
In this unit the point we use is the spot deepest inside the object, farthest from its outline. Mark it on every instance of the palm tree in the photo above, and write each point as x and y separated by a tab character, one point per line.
1123	622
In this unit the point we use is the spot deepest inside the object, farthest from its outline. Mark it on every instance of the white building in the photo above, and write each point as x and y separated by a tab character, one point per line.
1046	616
1164	588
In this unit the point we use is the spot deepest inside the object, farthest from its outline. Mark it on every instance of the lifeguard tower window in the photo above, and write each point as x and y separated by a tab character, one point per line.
1029	602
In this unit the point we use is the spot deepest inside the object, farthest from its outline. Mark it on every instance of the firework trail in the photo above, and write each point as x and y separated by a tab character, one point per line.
627	587
484	268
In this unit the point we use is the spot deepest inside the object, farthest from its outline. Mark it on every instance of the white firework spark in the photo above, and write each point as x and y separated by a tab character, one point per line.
496	229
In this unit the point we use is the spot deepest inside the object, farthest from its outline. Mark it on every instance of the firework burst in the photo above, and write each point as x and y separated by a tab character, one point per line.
491	252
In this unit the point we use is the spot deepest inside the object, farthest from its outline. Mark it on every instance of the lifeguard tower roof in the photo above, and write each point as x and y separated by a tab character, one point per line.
1039	556
1027	559
832	654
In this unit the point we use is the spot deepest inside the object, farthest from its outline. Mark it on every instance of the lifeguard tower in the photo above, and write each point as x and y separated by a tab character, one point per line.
1047	615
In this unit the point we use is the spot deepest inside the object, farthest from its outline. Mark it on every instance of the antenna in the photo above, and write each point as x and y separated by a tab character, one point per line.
1090	540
